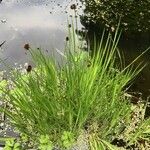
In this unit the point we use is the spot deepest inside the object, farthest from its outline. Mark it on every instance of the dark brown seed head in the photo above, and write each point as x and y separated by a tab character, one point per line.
29	68
73	6
69	25
67	38
27	46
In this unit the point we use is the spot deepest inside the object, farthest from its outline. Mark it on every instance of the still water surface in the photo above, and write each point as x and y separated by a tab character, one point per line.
43	23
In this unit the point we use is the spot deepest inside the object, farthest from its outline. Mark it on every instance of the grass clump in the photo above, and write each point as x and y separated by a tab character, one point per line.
82	96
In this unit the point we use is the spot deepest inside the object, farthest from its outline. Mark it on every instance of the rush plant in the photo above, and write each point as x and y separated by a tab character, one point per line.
84	93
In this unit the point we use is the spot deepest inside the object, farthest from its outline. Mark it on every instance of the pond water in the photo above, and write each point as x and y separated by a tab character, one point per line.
132	49
43	23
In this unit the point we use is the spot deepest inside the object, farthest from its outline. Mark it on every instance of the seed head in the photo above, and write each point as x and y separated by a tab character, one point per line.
69	25
27	46
29	68
73	6
67	38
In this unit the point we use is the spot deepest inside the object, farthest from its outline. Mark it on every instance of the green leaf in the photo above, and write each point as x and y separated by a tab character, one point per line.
109	146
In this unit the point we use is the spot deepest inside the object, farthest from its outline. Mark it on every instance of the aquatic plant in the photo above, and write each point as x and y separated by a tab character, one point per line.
84	95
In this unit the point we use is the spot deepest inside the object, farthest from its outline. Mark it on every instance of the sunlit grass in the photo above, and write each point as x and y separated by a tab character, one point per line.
84	93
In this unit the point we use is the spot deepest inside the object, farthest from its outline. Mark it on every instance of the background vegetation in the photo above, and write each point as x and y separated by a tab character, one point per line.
134	15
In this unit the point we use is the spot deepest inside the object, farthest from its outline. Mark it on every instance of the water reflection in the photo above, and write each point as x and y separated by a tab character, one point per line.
42	23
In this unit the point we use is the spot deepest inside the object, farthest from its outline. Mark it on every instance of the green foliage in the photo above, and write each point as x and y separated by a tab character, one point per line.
142	132
12	144
45	143
134	15
59	101
42	143
3	84
99	144
139	128
67	139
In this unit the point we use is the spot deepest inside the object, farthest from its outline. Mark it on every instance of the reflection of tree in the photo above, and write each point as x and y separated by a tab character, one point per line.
134	14
135	22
